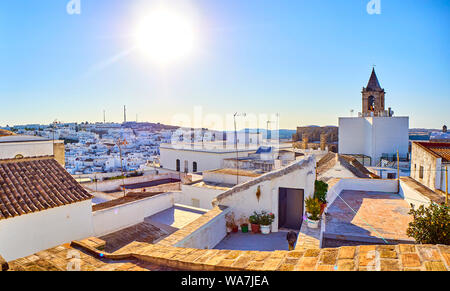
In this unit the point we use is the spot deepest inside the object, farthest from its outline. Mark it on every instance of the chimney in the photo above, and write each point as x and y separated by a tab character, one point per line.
305	140
323	141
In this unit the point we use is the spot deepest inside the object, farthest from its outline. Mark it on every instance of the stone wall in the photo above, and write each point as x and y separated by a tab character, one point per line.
422	158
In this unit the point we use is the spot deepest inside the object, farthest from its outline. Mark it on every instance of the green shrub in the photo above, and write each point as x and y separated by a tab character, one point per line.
320	191
313	208
255	218
431	225
266	218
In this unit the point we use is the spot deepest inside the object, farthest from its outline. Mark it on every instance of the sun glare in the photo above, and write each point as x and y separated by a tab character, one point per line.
165	36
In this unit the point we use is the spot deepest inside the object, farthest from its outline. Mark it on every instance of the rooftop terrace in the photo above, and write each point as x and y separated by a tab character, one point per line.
361	217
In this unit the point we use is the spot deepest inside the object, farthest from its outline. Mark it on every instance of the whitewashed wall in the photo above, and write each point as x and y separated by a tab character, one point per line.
373	136
245	202
412	196
28	234
203	194
207	236
114	184
115	218
205	160
221	178
373	185
27	149
430	163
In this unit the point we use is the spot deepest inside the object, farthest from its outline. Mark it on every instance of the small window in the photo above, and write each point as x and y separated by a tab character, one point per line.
178	165
421	172
196	203
391	176
186	166
194	167
19	156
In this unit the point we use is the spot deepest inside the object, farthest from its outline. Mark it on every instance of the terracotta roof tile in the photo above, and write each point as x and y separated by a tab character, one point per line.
32	186
439	149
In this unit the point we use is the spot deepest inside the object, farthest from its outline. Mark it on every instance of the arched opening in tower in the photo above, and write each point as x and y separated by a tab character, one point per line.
371	103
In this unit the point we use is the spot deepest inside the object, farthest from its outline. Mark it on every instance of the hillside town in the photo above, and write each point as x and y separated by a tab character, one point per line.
224	144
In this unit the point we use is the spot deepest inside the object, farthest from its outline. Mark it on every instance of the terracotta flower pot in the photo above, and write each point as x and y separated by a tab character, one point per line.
255	228
322	207
235	229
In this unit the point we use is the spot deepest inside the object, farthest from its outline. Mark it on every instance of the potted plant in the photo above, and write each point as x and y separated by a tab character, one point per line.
230	223
243	221
266	220
254	222
313	209
320	193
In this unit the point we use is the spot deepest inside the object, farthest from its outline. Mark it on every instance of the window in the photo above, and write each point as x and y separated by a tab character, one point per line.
178	165
391	175
186	166
19	156
195	203
421	172
194	167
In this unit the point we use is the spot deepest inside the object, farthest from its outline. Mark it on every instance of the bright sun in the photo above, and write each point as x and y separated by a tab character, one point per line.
165	36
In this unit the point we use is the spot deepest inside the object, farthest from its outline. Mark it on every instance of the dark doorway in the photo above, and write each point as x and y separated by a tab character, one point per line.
290	208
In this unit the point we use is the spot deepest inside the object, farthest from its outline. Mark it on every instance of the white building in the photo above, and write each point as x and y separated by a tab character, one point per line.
198	157
429	161
14	146
59	211
375	133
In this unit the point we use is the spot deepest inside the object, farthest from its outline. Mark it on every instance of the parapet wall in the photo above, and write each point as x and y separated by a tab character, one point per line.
203	233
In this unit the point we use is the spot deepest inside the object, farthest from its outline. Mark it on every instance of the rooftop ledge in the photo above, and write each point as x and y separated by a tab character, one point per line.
354	258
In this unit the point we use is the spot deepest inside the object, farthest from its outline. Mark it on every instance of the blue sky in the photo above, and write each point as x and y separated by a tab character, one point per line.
306	59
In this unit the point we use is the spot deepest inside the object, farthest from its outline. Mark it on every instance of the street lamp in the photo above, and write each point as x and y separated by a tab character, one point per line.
235	145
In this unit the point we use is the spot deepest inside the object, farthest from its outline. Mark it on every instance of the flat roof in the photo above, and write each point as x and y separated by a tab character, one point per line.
130	197
368	217
21	138
235	172
151	183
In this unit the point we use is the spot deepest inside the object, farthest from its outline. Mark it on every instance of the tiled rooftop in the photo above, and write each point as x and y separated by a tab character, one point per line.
438	149
36	185
65	257
428	193
142	232
330	160
143	256
130	197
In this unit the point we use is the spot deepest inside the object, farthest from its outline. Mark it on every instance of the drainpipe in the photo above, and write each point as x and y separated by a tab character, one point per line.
446	185
398	172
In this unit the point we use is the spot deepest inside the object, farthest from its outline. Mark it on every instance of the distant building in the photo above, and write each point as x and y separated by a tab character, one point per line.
376	133
442	136
314	137
428	162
